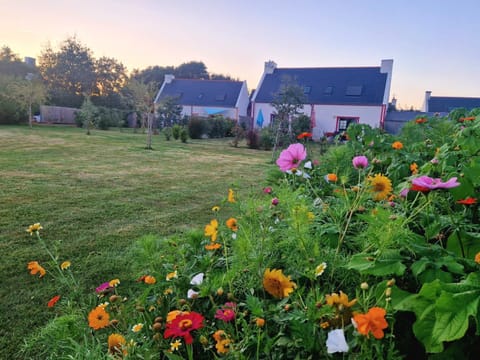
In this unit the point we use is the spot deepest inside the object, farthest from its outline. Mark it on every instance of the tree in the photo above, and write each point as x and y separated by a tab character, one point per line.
153	74
69	73
169	111
10	63
192	70
287	102
88	114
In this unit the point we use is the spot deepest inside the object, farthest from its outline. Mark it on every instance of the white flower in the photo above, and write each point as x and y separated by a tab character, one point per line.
308	165
192	294
197	279
234	236
320	269
336	341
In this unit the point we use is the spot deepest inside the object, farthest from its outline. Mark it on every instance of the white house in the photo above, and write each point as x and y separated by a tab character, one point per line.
206	97
336	96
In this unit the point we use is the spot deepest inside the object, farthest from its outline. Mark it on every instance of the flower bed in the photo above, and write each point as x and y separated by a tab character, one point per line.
369	251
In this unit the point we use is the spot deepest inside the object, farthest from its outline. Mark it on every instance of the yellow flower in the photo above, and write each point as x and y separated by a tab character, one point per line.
117	345
114	282
150	280
212	229
174	346
65	265
174	313
35	268
336	300
277	284
232	224
320	269
381	186
231	196
172	275
168	291
310	216
137	327
35	228
219	335
223	346
215	208
397	145
98	318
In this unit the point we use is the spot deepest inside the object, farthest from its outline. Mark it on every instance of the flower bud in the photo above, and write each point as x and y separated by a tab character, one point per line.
364	286
157	326
220	291
391	282
388	292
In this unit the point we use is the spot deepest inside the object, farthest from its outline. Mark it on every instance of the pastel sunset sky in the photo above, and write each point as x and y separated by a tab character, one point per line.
435	44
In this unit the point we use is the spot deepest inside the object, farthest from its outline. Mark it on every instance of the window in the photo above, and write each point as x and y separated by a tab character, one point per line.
354	90
328	90
344	122
307	89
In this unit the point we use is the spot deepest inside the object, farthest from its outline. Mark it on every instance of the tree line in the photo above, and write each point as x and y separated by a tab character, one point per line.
72	76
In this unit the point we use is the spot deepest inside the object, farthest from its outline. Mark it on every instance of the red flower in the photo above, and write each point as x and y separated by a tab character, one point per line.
421	120
183	324
227	312
467	201
304	135
419	188
53	301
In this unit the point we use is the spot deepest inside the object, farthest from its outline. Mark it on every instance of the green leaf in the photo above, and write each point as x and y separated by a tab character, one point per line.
469	241
254	305
367	264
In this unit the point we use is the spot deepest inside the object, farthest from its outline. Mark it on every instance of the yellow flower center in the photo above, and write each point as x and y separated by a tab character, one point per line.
185	324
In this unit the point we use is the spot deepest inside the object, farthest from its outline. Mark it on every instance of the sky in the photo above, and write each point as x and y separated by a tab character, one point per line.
435	44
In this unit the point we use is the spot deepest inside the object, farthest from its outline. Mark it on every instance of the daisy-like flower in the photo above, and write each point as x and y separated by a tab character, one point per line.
35	228
215	208
36	268
227	312
114	282
117	345
197	279
219	335
182	326
428	183
381	186
212	229
137	327
320	269
192	294
172	275
291	157
103	287
277	284
231	196
174	346
223	346
331	178
168	291
467	201
98	318
53	301
149	279
213	246
65	265
232	224
397	145
372	322
336	300
360	162
336	341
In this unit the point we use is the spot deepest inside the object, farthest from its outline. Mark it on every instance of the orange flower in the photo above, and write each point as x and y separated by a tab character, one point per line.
260	322
372	322
304	135
397	145
470	118
332	177
213	246
477	258
98	318
35	228
35	268
219	335
414	168
149	279
335	300
212	229
421	120
53	301
231	196
232	224
117	345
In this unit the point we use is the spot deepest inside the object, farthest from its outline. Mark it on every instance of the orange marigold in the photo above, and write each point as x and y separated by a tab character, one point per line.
35	268
212	229
477	258
98	318
213	246
397	145
232	224
117	345
372	322
277	284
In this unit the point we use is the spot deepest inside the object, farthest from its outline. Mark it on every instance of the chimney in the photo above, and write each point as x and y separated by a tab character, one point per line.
386	67
270	66
169	78
29	61
428	95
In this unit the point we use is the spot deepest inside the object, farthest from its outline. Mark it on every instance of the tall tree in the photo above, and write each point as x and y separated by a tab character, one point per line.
10	63
169	111
153	74
68	73
192	70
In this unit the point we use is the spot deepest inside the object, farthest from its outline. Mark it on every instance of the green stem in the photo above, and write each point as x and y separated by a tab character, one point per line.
190	351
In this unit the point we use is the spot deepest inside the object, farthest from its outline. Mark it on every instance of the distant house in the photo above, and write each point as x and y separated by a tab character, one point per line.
336	96
396	119
206	97
444	104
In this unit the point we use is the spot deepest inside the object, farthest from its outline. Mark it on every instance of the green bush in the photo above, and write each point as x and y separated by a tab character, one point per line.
301	124
176	129
267	139
196	127
183	135
167	132
220	127
253	139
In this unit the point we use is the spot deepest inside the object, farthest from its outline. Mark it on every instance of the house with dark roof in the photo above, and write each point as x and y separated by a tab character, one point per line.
445	104
206	97
335	96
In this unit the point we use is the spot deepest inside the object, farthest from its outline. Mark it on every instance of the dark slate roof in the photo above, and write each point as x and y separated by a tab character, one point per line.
332	86
215	93
448	103
403	116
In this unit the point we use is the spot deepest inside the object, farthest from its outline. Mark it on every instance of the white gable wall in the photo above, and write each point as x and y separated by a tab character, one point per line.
326	116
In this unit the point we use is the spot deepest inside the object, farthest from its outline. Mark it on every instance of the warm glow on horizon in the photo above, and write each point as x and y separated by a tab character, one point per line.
237	38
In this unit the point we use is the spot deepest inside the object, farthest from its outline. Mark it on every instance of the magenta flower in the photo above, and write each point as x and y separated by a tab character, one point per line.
275	201
429	183
404	193
267	190
360	162
291	157
227	312
103	287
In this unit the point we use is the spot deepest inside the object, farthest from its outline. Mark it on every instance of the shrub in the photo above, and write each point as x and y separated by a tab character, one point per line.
176	129
300	124
267	139
220	127
196	127
167	132
183	135
253	139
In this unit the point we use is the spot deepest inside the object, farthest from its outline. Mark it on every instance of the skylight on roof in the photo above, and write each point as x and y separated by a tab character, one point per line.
220	97
354	90
307	89
328	90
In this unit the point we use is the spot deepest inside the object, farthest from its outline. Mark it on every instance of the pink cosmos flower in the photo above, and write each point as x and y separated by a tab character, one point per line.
360	162
267	190
429	183
291	157
103	287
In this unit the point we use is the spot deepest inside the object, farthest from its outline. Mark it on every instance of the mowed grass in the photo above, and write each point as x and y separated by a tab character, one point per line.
97	194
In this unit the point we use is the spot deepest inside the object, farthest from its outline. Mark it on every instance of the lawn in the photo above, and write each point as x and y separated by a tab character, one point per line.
97	194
